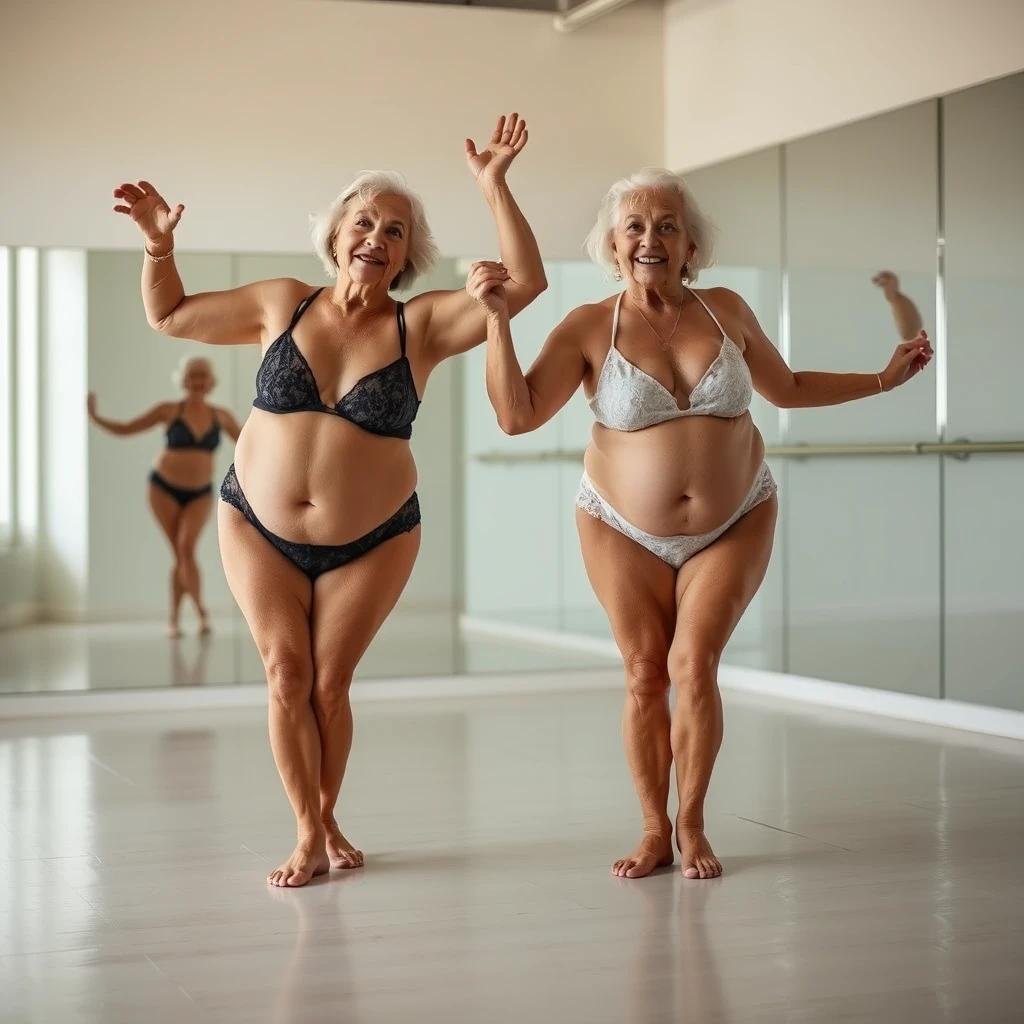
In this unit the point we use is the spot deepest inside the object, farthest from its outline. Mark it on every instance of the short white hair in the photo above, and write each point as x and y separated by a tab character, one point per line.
179	373
423	252
698	227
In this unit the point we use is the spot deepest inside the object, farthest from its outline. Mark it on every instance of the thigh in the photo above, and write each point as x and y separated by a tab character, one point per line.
274	597
166	511
351	603
714	588
636	589
194	517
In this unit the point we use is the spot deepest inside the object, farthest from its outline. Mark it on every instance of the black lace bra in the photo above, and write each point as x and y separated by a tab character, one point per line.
179	434
383	402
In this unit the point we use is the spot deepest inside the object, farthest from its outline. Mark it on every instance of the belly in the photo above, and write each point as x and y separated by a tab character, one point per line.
188	468
317	479
686	476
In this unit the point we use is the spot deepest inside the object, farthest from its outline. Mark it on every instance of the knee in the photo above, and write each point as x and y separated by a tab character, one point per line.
289	679
185	549
647	675
693	669
331	691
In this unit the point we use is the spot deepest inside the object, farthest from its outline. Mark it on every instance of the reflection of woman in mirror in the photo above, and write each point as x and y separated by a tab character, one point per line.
319	522
180	488
907	316
676	509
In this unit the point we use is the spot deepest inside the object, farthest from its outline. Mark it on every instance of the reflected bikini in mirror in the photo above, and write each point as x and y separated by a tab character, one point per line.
180	486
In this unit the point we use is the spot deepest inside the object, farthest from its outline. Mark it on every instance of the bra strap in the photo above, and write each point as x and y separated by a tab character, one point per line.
400	312
615	317
302	307
707	309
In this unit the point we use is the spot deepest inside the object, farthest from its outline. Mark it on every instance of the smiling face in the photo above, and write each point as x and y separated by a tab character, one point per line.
372	240
197	378
649	241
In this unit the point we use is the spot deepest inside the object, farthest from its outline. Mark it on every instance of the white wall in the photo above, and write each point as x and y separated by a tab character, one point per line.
744	74
255	114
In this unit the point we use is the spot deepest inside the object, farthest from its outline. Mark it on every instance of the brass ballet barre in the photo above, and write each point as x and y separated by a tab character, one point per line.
962	449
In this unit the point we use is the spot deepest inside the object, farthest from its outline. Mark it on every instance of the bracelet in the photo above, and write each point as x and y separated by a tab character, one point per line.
878	375
158	259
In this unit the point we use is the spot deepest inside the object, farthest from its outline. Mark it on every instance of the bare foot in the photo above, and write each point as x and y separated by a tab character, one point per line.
174	631
204	621
653	851
341	853
308	861
698	859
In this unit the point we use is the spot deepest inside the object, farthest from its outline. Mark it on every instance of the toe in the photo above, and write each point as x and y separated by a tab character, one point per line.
297	878
691	872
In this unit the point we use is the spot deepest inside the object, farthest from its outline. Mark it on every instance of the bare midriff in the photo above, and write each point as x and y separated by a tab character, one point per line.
683	477
315	478
188	468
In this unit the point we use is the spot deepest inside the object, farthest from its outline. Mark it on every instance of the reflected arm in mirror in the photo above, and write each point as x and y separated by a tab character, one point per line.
807	389
164	412
228	423
524	403
906	315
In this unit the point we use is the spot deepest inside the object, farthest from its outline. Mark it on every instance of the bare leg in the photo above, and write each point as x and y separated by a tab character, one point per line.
194	517
714	589
637	591
168	515
350	605
275	599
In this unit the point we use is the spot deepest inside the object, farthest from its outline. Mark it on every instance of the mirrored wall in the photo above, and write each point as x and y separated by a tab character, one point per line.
898	560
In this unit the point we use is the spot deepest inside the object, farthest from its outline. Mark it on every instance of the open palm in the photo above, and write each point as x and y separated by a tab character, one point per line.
490	164
148	209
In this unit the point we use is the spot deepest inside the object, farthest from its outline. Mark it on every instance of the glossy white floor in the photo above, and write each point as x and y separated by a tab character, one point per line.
872	873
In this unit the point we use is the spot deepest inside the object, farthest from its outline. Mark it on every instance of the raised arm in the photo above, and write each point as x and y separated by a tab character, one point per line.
905	314
233	317
158	414
524	403
805	389
456	321
228	423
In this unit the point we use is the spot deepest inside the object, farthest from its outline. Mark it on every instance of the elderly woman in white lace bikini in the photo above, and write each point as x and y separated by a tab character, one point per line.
676	510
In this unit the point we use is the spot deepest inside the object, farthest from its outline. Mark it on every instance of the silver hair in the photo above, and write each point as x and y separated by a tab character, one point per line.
698	227
179	372
423	252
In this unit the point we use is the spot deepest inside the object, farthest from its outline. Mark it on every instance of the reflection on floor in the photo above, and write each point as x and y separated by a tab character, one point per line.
46	658
870	875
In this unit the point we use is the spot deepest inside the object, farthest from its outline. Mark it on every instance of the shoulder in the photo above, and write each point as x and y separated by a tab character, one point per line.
165	412
590	316
725	299
280	292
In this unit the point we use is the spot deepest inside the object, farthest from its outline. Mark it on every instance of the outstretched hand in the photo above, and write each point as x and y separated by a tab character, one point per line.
486	283
490	164
148	209
907	361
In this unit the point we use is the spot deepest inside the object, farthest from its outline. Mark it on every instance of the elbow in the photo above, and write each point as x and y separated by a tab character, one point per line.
513	425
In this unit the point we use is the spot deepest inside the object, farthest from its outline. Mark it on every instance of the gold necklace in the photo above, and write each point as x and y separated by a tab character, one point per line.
664	341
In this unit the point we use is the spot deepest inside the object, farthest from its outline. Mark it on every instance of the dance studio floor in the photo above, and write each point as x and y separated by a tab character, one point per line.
873	873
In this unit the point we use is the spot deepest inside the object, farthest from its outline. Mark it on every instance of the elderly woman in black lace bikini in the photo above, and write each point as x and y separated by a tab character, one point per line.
180	491
319	522
676	510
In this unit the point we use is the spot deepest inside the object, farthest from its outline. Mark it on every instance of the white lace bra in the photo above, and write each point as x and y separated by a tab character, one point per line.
627	398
